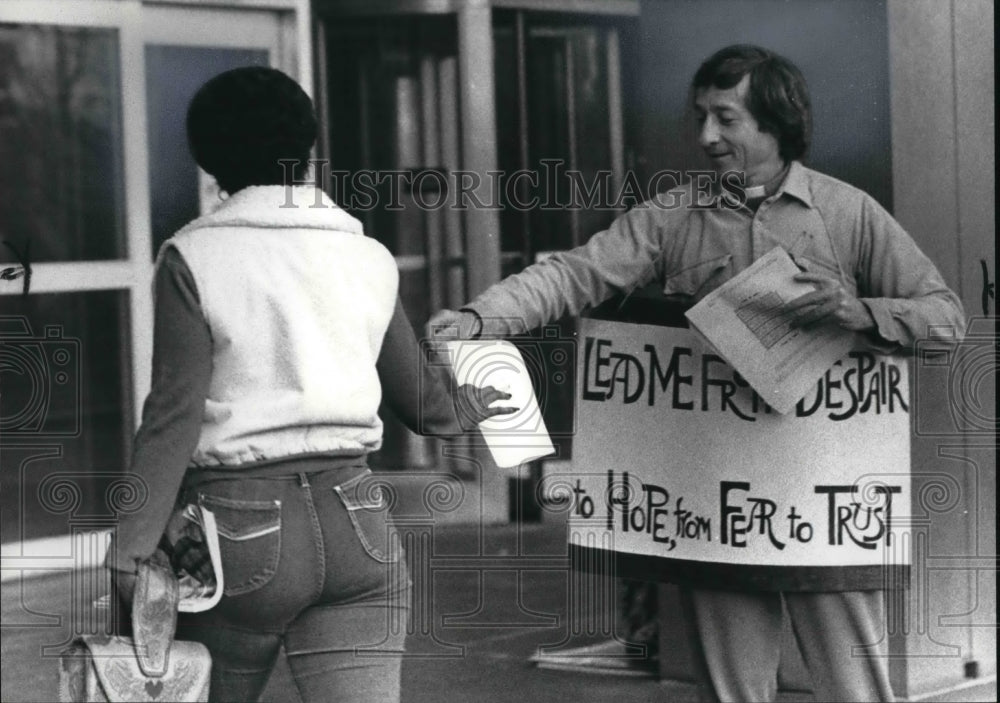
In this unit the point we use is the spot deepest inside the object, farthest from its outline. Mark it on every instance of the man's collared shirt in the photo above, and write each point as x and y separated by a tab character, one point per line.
692	247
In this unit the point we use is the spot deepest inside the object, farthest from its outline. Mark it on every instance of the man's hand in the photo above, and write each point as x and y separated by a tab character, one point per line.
454	324
472	405
830	302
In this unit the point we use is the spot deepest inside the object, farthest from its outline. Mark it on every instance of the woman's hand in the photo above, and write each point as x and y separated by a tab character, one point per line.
472	405
122	587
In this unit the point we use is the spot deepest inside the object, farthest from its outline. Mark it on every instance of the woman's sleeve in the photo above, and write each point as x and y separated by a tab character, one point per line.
417	391
173	411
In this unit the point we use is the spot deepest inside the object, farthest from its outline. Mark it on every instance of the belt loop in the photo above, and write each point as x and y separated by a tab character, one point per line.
303	480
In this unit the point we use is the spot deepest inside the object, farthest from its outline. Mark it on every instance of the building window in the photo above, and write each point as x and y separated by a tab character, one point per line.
65	408
61	164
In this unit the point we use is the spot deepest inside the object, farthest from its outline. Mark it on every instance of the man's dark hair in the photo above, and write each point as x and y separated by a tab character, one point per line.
778	97
242	123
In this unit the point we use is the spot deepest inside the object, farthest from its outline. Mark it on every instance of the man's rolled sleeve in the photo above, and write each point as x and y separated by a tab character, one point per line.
616	260
905	293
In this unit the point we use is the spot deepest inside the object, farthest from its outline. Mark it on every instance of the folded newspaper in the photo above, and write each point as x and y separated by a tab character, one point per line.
513	439
744	320
196	523
196	595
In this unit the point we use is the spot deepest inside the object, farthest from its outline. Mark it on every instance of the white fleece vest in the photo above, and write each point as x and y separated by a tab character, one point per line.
297	300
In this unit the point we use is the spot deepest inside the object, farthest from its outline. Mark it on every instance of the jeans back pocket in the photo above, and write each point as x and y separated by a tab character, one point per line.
249	541
368	510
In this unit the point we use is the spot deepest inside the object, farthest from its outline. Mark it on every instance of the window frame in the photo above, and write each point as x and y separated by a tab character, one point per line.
133	273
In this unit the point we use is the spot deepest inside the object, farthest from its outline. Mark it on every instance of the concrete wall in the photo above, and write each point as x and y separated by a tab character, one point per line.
942	78
841	48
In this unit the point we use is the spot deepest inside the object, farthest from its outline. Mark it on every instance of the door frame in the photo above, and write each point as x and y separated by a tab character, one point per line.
281	26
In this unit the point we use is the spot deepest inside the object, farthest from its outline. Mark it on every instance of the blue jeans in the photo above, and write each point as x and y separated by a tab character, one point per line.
311	562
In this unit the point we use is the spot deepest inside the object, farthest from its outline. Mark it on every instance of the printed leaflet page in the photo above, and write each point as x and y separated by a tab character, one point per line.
743	320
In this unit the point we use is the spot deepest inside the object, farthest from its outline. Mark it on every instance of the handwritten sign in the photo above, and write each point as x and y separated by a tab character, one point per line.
684	473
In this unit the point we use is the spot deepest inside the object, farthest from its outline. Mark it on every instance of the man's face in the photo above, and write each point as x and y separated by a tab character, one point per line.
731	137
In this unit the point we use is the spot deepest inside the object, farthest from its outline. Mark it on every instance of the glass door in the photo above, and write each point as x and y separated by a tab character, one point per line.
71	223
399	136
394	145
560	118
94	175
184	47
560	123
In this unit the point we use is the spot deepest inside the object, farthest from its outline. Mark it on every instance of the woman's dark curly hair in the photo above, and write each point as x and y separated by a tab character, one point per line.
778	97
243	123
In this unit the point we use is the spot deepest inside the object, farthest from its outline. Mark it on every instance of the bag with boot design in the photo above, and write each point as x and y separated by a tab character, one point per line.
150	666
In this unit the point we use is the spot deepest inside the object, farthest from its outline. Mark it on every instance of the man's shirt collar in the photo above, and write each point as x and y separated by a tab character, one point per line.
796	184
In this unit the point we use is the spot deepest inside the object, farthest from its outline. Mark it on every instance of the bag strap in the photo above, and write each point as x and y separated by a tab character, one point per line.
154	616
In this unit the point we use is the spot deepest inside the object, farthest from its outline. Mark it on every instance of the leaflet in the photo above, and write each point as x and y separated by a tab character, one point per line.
196	523
744	321
512	439
197	596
